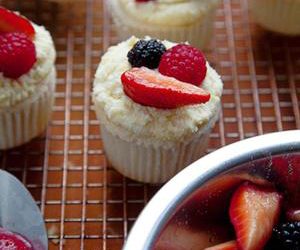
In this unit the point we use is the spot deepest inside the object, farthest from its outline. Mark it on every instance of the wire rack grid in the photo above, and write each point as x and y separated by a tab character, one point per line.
88	205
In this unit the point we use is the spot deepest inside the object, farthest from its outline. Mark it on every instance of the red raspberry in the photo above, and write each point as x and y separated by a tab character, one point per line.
17	54
12	22
185	63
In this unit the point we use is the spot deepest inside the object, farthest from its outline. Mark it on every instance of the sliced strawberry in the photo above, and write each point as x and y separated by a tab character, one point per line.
230	245
12	22
253	212
150	88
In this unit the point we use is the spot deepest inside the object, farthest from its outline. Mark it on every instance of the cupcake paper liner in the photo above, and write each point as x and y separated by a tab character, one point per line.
28	119
277	15
153	164
198	34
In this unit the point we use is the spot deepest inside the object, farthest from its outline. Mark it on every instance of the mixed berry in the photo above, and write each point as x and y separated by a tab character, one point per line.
185	63
17	50
164	78
286	236
256	214
146	53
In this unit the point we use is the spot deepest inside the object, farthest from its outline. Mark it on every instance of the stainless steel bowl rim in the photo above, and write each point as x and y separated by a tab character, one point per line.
155	215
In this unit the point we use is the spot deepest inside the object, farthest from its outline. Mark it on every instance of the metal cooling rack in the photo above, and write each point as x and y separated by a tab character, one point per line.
88	205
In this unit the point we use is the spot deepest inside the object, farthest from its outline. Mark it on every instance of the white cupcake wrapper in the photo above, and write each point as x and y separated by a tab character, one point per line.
277	15
154	164
199	34
27	120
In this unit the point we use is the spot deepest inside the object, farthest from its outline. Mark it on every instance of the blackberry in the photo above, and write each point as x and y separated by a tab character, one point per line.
287	236
146	53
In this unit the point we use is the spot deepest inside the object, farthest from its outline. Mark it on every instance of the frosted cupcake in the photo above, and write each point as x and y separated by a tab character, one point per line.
157	103
27	79
176	20
277	15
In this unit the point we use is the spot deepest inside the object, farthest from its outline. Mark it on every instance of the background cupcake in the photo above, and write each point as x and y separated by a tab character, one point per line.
156	103
27	79
277	15
176	20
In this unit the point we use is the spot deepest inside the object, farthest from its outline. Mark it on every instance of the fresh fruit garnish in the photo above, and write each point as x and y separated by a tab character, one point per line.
150	88
293	215
12	22
230	245
17	54
11	241
185	63
286	236
253	212
146	53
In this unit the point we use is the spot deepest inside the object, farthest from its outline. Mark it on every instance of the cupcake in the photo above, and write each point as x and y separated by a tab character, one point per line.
27	79
277	15
176	20
157	102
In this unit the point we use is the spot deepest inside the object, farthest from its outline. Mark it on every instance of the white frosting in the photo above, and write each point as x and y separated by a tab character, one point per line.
132	121
164	12
14	91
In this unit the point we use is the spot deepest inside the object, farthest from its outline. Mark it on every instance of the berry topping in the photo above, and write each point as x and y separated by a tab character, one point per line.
17	54
140	1
10	241
150	88
230	245
287	236
11	22
146	53
253	212
185	63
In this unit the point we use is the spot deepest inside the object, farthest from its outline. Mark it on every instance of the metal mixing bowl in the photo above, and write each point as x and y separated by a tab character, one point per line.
178	203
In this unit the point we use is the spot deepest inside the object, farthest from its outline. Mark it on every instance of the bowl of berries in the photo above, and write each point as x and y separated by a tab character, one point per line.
21	223
245	196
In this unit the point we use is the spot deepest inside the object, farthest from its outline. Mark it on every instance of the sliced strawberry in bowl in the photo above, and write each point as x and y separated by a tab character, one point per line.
254	211
230	245
12	22
150	88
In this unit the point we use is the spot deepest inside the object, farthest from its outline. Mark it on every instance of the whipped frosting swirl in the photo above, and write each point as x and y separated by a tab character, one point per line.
166	12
